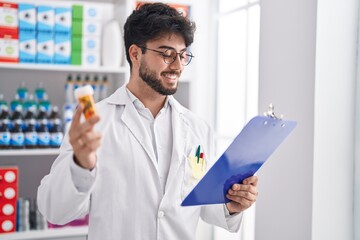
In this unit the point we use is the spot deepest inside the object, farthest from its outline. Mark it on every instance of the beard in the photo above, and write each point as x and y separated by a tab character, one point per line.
149	77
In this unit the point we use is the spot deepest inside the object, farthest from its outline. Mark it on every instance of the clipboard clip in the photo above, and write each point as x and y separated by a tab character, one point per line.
270	113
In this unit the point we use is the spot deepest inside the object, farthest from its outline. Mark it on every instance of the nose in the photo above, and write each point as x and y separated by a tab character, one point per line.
177	63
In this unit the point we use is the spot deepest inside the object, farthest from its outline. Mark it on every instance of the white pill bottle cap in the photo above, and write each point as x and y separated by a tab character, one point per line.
83	91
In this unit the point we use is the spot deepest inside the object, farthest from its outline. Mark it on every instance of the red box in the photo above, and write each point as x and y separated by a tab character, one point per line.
8	209
9	19
9	175
7	224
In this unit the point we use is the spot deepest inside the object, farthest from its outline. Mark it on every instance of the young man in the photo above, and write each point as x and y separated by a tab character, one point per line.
130	166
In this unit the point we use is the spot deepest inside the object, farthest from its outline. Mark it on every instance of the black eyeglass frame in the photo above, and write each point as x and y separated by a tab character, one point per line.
167	56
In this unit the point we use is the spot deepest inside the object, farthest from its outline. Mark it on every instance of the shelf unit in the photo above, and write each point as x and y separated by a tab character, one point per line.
29	152
55	233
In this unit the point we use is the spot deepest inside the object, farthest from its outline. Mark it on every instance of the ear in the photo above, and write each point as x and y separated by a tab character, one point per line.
135	54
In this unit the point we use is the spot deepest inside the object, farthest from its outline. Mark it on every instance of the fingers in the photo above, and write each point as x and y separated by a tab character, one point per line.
253	180
90	141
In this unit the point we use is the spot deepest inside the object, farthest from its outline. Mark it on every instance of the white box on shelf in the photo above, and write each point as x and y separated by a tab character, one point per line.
63	19
92	44
45	18
8	15
92	12
91	28
62	49
9	49
45	48
90	59
27	17
27	47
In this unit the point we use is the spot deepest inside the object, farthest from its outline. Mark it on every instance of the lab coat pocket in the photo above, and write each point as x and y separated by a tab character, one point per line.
194	169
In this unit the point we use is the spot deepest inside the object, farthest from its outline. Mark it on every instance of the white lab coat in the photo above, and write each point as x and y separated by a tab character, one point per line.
123	193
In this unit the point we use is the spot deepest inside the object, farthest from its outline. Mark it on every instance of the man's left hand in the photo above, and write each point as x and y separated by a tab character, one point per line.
243	195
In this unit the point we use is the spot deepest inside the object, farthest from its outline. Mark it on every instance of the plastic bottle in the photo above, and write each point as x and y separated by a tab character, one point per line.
17	136
29	115
78	82
86	80
54	116
3	103
29	103
5	116
69	90
23	92
42	115
84	95
67	117
104	88
111	44
43	135
45	102
39	92
17	117
5	135
15	103
96	87
56	134
31	136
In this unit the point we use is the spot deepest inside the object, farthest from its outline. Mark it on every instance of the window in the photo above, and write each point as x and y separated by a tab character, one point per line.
237	83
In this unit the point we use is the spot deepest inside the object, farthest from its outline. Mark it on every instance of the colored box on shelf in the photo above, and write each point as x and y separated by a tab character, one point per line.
27	17
91	28
8	209
8	15
9	174
92	44
77	12
76	43
92	12
9	192
76	58
9	49
27	47
90	59
45	18
7	224
62	49
77	28
45	48
63	20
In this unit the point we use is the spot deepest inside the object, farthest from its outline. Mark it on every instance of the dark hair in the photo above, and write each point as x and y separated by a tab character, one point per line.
150	20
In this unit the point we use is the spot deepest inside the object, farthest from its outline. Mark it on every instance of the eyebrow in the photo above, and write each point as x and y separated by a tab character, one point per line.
168	47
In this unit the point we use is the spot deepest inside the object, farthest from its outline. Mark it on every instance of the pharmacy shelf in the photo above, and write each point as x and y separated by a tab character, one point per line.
62	68
59	233
29	152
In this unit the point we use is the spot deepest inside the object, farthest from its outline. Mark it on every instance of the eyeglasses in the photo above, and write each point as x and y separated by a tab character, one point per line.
170	55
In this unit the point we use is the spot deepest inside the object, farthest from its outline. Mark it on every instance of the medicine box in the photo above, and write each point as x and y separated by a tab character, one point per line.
45	48
9	49
27	47
63	20
87	12
62	49
27	17
45	18
90	59
9	19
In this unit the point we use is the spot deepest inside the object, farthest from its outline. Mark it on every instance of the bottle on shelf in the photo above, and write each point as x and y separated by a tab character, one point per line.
54	116
31	136
5	135
69	90
5	116
45	102
39	92
42	115
67	117
22	91
29	115
56	134
17	136
96	87
29	103
15	103
104	88
3	102
17	117
43	135
78	82
86	80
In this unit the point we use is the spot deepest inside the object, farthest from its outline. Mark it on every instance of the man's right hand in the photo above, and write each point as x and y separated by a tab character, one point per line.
84	139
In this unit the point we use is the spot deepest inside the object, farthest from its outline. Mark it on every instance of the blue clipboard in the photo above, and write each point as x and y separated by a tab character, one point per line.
243	158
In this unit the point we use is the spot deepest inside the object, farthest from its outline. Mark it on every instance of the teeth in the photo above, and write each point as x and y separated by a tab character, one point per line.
170	76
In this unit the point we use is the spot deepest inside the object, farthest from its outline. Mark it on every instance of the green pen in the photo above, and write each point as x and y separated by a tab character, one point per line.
198	154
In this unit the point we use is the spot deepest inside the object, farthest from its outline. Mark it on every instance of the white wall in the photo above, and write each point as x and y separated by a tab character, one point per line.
307	69
337	25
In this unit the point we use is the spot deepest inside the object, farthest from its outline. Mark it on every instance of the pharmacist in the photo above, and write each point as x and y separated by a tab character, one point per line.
129	166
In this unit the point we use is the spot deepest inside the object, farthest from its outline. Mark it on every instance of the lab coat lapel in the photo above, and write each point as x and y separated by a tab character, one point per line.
133	122
180	135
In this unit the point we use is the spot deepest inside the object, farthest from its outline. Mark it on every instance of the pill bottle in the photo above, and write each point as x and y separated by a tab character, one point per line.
85	96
